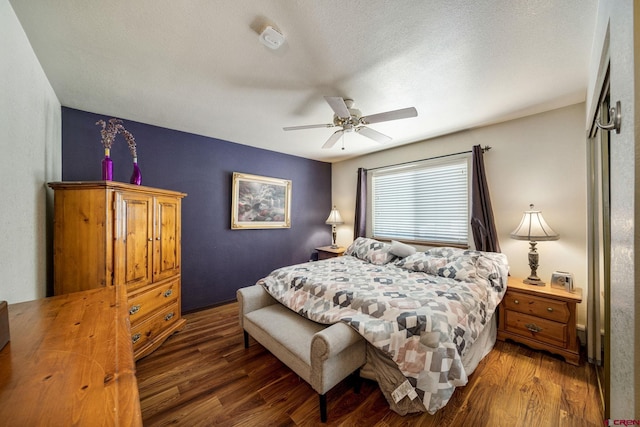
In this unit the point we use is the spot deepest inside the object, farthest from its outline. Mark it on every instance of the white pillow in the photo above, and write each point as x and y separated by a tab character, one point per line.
401	250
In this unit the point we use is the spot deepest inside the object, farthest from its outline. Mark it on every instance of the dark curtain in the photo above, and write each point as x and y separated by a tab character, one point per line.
360	224
482	222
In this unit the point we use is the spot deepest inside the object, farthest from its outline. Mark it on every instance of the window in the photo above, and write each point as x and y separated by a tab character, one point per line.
426	202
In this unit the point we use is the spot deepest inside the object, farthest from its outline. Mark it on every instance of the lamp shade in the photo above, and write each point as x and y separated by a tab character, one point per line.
534	228
334	217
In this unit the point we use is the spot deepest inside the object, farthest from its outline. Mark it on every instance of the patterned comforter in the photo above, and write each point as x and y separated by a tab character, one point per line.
423	311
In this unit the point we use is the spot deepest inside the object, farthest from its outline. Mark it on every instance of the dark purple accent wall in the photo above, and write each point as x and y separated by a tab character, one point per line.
216	260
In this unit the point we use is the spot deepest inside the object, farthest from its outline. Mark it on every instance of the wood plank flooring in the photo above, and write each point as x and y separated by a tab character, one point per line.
203	376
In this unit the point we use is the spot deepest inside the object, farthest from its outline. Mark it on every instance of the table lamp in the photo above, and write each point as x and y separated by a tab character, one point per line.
333	220
535	229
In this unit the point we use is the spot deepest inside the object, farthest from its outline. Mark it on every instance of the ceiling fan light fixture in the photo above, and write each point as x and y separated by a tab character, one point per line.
351	120
271	38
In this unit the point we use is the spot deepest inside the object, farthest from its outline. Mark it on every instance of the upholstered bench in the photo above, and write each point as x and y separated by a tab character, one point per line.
322	355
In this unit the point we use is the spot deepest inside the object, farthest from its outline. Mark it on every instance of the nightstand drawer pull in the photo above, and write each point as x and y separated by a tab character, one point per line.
136	338
167	293
133	310
515	301
168	317
533	327
550	309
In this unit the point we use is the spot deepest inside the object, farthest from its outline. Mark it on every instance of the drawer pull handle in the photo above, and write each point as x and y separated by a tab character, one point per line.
533	327
549	309
515	301
133	310
135	338
168	293
168	317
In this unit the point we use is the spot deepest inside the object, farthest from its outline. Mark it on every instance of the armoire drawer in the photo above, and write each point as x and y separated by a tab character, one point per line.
147	330
144	304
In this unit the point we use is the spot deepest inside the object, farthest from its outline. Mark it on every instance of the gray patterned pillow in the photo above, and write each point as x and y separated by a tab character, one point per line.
461	268
370	250
446	262
445	252
424	262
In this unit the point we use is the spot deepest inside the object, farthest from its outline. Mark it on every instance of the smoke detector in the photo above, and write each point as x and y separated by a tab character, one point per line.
271	38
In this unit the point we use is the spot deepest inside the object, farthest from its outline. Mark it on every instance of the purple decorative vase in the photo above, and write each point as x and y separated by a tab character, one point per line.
107	166
136	176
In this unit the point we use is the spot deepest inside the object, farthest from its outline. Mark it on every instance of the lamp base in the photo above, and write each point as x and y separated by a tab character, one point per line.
533	278
333	236
533	281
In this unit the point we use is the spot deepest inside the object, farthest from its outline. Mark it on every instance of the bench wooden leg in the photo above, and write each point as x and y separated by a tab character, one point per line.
246	339
323	407
357	381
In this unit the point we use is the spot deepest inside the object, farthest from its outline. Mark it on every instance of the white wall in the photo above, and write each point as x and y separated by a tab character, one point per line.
30	156
540	159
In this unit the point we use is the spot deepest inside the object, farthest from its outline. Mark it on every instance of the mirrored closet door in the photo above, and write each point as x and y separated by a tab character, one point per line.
599	244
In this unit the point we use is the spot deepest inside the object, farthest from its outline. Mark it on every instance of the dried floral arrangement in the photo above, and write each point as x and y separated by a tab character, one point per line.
109	132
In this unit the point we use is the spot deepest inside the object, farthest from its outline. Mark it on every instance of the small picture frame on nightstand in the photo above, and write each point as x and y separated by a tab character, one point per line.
562	280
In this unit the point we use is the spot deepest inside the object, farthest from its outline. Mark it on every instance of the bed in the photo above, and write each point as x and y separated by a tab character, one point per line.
427	317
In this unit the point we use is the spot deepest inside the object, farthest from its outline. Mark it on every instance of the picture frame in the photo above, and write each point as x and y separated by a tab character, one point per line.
260	202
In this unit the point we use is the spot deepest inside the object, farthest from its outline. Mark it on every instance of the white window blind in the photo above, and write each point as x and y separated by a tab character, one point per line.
426	202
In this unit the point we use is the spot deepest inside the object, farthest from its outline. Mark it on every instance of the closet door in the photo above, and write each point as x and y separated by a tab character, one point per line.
599	244
166	246
133	249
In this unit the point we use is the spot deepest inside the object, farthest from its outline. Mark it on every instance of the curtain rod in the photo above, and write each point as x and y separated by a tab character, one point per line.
484	150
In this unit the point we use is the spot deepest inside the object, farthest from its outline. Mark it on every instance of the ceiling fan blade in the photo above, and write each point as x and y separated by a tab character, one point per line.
403	113
329	125
373	134
333	139
338	106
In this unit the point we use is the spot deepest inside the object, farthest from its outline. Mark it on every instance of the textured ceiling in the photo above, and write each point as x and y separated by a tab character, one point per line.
197	66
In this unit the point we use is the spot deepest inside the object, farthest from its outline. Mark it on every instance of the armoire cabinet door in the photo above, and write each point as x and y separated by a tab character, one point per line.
134	224
83	243
166	256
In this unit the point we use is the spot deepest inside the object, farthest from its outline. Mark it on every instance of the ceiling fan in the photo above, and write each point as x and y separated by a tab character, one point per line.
351	120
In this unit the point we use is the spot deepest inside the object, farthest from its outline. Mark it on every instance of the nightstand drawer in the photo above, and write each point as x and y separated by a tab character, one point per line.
536	306
544	330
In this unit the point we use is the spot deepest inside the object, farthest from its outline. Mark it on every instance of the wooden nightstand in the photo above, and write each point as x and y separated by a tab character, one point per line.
540	317
325	252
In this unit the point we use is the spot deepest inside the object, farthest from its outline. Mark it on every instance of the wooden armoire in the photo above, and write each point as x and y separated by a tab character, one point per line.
115	234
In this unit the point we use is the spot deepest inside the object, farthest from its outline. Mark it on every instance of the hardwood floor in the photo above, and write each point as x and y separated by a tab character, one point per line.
203	376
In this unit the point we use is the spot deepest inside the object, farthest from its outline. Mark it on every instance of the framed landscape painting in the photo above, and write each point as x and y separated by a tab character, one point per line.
260	202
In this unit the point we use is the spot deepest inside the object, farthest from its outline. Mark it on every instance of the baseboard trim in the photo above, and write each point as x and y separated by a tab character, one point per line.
582	334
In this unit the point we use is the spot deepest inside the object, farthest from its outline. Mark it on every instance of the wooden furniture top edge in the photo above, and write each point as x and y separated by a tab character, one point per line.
337	250
70	360
517	285
113	185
